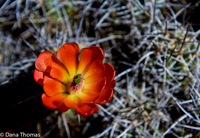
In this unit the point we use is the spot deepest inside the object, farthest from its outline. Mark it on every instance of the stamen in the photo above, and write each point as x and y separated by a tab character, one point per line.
77	83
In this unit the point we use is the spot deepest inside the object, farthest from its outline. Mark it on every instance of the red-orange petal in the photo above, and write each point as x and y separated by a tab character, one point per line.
98	52
38	76
88	96
109	72
62	108
59	74
77	100
105	96
45	59
52	102
48	63
96	86
110	85
72	101
96	67
94	78
53	87
68	54
86	109
88	55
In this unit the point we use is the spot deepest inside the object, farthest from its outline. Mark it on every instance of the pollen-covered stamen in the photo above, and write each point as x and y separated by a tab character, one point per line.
77	83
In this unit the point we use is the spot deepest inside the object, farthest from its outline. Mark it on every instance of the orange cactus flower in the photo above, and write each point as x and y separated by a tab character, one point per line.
70	81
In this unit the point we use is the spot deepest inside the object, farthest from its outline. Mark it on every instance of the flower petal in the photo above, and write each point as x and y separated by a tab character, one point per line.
77	100
62	108
88	96
38	76
86	109
88	55
98	52
109	72
96	67
52	102
96	86
72	101
68	54
53	87
110	85
105	96
45	59
59	74
94	78
48	63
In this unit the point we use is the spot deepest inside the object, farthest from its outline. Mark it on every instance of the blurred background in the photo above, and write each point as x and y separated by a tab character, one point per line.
152	44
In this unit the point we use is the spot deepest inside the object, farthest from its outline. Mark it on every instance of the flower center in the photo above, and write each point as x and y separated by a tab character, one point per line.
77	83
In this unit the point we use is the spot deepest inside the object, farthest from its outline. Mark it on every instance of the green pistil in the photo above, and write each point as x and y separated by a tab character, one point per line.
78	79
